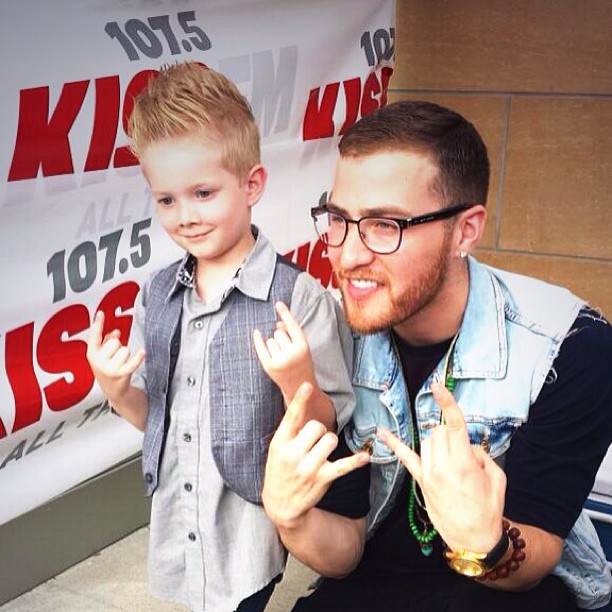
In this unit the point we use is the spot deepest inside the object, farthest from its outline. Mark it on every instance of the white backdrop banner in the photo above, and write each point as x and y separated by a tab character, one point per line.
77	225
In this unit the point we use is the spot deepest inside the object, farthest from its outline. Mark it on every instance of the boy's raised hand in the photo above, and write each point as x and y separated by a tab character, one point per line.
285	356
111	362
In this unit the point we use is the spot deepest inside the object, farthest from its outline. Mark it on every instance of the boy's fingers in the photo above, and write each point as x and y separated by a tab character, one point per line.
135	360
114	334
261	347
274	349
293	327
94	340
283	339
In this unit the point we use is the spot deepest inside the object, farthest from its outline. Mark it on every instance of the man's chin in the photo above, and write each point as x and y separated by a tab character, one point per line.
363	324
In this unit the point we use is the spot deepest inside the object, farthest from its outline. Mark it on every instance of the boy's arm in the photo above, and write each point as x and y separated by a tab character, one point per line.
286	359
113	365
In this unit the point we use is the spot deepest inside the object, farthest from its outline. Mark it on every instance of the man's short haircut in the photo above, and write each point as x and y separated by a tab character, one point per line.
451	142
188	98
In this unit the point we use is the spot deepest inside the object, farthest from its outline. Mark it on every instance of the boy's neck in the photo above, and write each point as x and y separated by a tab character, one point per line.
212	277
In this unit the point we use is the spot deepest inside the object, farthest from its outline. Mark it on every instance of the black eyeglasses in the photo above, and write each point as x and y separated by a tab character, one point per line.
381	235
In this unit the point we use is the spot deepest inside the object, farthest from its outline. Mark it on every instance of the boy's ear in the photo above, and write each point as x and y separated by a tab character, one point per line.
255	183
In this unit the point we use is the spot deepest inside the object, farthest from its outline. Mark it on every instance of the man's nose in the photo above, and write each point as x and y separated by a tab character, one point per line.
354	252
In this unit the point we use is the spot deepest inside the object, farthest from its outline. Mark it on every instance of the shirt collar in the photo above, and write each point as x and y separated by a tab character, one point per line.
481	349
253	278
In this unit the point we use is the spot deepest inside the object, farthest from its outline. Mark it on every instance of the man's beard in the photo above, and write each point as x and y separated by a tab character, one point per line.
421	292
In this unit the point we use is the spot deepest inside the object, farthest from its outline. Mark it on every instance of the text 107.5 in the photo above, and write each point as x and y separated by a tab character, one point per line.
136	35
80	268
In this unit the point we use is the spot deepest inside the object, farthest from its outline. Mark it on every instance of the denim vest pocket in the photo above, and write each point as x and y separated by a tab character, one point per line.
368	416
493	435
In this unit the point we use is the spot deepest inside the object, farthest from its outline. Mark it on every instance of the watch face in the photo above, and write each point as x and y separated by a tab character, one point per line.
468	567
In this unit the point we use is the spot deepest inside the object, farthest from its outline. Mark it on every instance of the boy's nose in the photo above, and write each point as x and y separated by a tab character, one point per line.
188	212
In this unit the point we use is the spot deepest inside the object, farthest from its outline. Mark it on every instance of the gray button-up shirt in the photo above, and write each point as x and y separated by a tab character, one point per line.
209	548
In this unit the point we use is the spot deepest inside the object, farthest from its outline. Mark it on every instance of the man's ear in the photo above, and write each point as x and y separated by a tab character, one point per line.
470	228
255	183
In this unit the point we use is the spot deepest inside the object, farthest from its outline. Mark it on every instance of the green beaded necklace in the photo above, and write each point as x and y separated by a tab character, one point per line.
425	535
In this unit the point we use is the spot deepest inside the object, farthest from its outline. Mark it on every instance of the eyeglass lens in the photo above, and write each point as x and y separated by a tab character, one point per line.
378	234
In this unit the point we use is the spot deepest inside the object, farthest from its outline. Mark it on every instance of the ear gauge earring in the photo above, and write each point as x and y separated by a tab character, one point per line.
463	254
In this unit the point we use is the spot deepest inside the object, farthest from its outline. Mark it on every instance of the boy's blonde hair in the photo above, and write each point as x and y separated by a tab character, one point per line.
186	98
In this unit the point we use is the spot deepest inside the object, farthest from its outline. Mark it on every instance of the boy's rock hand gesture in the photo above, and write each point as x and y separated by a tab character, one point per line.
111	362
285	356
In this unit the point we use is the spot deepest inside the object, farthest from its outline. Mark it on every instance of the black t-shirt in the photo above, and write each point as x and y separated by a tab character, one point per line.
553	458
349	494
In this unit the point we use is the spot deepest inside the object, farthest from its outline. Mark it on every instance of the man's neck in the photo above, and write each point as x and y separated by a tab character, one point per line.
440	319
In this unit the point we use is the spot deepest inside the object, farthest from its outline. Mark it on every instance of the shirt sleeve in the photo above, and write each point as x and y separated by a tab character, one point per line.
330	342
554	457
136	341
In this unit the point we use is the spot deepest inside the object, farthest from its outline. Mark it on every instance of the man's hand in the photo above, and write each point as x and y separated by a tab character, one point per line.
463	488
285	356
298	472
110	361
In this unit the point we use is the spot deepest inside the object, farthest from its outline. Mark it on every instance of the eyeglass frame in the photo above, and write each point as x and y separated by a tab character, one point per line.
403	222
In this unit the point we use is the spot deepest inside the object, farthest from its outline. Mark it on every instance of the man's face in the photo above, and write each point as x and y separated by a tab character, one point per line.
204	208
402	289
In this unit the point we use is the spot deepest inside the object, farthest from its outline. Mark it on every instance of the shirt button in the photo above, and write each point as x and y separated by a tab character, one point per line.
191	381
188	486
192	536
187	437
199	324
148	478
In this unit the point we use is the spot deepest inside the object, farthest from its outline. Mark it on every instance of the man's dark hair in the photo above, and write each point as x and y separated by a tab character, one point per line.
452	143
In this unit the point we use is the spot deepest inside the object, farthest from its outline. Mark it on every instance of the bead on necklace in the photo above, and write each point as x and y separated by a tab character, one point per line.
428	532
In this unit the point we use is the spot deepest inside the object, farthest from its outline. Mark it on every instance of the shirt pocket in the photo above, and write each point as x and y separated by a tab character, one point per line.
371	413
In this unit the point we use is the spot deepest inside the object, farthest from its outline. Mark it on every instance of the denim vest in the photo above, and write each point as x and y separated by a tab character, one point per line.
494	386
246	406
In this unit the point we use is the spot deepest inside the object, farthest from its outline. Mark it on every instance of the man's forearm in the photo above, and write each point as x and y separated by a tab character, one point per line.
328	543
542	553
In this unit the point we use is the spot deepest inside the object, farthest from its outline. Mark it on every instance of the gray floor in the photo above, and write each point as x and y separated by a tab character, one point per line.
115	580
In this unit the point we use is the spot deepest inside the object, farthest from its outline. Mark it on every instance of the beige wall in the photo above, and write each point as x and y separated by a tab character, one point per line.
535	78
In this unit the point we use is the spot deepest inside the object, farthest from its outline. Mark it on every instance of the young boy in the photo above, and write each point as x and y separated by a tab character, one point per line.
197	389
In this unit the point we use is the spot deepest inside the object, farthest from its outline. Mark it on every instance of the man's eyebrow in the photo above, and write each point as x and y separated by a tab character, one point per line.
378	211
334	207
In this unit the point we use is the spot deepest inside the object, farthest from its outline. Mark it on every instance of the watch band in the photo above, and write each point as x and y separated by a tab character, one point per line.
496	554
473	564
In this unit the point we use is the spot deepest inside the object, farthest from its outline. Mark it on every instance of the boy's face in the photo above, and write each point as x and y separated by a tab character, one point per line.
204	208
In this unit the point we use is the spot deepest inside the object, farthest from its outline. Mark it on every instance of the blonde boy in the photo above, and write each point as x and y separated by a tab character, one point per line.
191	379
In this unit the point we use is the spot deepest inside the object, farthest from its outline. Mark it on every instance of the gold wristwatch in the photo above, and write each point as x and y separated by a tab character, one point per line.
473	564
